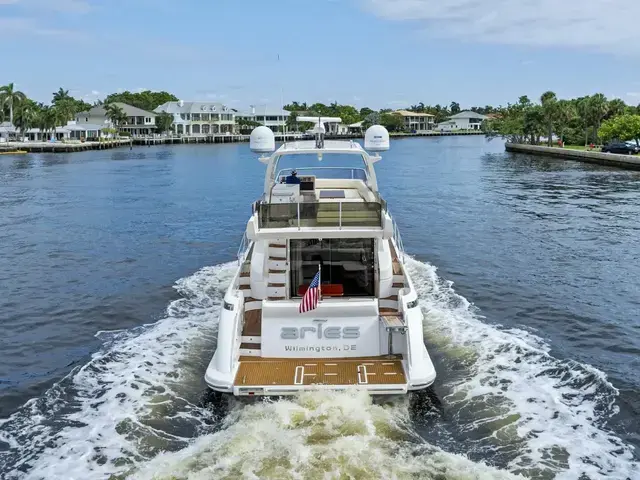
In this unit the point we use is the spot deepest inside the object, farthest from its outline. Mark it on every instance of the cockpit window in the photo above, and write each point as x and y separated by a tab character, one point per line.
332	165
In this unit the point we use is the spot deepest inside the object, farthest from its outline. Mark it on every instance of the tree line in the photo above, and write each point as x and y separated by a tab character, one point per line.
25	113
584	120
394	123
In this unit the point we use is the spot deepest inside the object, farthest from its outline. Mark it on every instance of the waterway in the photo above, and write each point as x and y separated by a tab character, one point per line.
112	269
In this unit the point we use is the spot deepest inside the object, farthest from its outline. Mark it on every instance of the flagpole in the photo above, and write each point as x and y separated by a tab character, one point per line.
319	282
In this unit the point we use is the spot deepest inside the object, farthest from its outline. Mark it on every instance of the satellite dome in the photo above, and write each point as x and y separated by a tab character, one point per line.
262	140
376	139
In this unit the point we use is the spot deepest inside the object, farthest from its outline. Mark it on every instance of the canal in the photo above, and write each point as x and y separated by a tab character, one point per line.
113	264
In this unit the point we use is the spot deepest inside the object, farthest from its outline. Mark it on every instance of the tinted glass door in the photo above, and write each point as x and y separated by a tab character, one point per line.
346	265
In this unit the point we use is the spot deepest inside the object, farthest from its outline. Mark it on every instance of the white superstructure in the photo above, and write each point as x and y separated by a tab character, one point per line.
366	331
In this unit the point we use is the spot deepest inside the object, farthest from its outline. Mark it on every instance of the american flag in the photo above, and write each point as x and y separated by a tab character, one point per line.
310	298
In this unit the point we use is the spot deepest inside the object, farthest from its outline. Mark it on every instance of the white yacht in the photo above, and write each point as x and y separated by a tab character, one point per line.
321	298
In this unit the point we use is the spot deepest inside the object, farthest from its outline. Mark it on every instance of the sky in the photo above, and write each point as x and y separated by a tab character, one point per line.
376	53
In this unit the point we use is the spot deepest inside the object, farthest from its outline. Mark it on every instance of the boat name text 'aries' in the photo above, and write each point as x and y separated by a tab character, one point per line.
329	333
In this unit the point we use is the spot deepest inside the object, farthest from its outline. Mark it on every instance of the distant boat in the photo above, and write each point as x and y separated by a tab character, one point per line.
14	152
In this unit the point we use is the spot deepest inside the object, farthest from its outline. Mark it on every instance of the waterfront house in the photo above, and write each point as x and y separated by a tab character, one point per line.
7	132
275	119
356	128
37	135
70	131
88	131
339	128
336	128
416	122
139	121
199	118
466	120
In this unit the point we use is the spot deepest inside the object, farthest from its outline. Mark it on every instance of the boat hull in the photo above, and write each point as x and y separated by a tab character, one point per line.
231	371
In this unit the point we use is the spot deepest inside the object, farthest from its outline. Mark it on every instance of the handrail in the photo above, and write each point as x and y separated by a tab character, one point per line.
334	214
243	248
397	238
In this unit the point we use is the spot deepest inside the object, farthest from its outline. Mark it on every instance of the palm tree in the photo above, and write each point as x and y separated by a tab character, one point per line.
48	119
615	108
565	114
115	114
597	106
549	109
533	124
11	97
66	109
26	118
164	121
61	94
584	116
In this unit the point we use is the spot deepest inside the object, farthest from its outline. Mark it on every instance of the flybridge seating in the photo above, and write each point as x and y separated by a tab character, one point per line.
323	213
340	193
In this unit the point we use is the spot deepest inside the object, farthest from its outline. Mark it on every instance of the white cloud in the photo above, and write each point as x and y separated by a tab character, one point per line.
215	96
596	25
72	6
11	26
633	94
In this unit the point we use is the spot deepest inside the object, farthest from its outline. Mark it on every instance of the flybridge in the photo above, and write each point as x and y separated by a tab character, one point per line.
341	192
318	128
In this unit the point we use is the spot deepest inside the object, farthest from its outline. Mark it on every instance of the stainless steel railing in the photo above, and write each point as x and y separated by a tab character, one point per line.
319	214
243	248
397	238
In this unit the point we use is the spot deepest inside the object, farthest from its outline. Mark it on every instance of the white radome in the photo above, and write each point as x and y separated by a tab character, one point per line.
376	139
262	140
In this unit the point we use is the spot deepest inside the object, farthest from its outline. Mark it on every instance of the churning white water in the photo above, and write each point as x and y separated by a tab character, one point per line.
316	435
135	410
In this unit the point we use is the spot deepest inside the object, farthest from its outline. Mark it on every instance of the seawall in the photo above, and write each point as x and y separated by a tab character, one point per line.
61	147
611	159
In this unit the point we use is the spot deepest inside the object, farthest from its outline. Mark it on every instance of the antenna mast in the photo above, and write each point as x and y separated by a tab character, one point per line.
320	134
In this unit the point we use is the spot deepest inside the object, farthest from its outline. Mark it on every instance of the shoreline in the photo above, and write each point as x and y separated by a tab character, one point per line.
629	162
60	147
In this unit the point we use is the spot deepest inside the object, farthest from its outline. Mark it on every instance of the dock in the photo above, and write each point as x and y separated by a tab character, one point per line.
62	147
69	147
288	137
630	162
190	139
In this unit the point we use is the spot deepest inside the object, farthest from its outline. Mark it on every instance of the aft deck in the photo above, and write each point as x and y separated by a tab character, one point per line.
266	372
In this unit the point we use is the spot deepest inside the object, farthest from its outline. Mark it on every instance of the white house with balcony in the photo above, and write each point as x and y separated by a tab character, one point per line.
466	120
199	118
416	122
275	119
139	121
